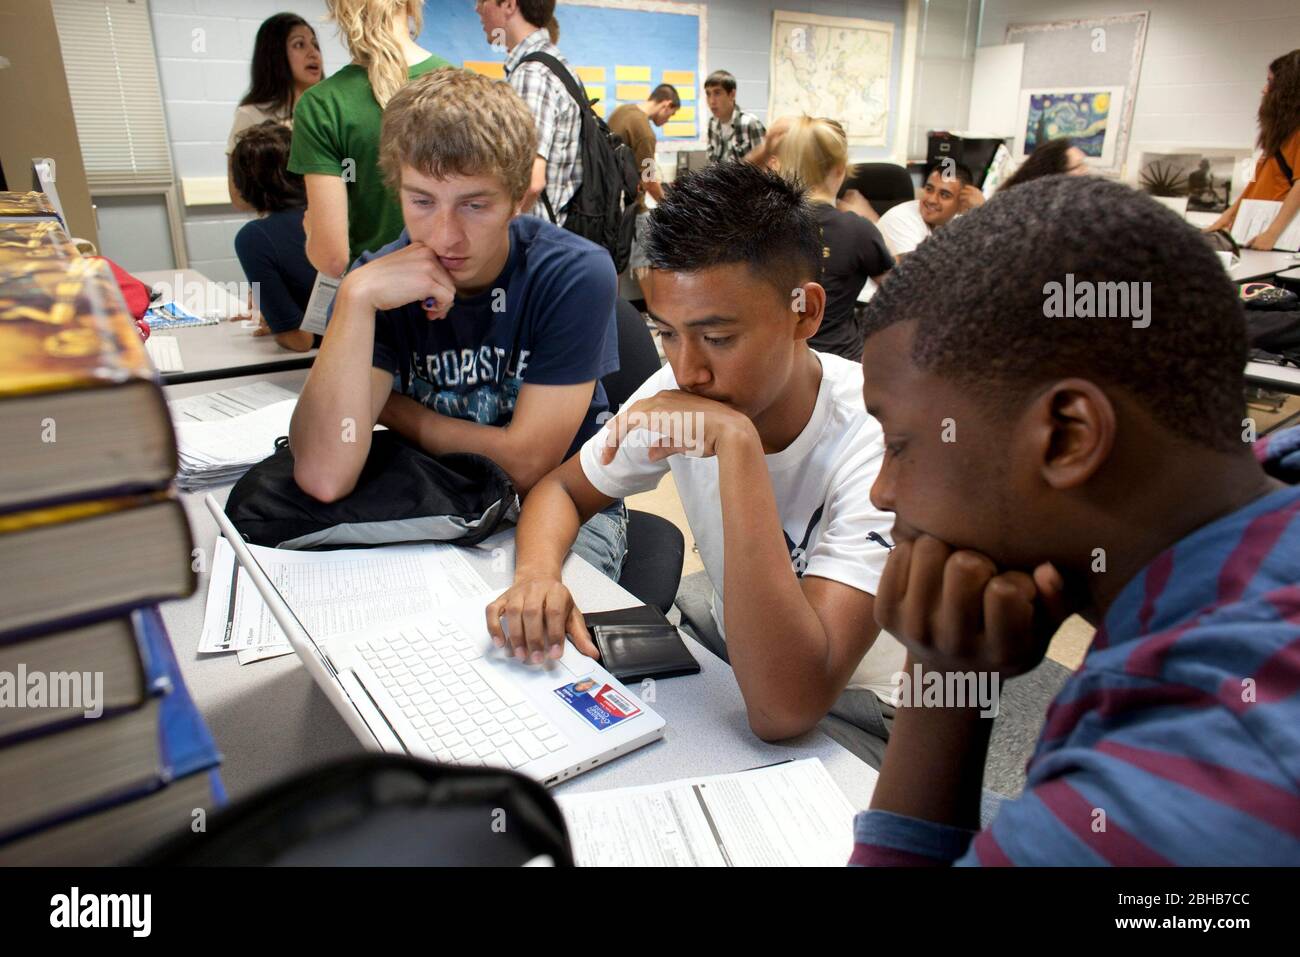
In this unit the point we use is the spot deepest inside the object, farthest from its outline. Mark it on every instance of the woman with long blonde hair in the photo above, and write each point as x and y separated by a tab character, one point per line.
815	153
350	209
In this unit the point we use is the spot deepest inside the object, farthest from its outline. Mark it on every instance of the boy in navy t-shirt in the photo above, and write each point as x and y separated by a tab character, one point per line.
474	331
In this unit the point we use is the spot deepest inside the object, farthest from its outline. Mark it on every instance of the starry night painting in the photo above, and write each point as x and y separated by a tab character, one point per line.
1087	116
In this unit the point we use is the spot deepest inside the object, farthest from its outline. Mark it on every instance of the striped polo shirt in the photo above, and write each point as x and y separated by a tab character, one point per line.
1178	739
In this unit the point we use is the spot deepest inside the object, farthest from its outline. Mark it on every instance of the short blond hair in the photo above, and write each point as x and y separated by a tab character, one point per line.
453	122
812	149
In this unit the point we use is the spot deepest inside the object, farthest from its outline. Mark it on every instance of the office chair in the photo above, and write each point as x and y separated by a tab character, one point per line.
655	546
884	185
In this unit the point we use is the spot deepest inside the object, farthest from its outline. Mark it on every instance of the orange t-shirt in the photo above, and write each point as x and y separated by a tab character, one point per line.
1269	183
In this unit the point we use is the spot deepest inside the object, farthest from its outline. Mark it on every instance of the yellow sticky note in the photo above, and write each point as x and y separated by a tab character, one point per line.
632	92
599	110
488	68
685	114
679	129
632	74
686	93
591	74
679	77
595	91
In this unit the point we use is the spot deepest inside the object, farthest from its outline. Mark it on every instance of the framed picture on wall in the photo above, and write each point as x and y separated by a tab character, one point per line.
1097	60
1088	115
1210	178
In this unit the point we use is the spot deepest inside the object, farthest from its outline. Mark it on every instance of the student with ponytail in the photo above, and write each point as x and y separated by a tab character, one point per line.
336	131
814	153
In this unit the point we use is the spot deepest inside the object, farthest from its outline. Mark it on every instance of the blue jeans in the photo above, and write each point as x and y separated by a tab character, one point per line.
602	540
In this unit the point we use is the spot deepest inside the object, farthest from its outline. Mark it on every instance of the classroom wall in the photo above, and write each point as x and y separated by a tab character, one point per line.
1203	68
37	110
201	88
947	31
740	40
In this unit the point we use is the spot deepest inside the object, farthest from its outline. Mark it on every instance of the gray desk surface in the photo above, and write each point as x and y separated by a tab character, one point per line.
270	720
1256	264
1282	378
225	348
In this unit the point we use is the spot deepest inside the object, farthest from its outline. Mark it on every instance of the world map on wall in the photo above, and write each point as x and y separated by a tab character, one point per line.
833	67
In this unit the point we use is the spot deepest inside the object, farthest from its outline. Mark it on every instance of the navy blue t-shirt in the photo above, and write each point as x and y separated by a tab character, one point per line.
273	253
548	319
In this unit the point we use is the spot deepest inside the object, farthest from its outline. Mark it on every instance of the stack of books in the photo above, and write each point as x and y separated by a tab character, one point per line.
102	751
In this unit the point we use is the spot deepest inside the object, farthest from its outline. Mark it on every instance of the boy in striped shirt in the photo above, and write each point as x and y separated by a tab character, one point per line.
1045	457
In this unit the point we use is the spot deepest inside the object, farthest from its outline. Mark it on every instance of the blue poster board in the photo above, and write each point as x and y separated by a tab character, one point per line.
622	49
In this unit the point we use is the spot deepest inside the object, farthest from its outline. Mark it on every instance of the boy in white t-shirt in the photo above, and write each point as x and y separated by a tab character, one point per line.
773	455
949	191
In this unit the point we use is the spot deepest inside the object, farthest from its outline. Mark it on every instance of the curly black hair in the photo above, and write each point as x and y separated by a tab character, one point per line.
978	292
737	213
259	166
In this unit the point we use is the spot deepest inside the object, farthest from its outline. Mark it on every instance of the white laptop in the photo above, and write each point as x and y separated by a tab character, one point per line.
438	689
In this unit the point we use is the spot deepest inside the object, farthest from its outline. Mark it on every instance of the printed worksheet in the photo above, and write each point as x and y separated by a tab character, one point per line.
330	592
786	815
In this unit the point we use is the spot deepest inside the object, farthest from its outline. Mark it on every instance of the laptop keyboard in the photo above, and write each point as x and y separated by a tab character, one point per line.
462	708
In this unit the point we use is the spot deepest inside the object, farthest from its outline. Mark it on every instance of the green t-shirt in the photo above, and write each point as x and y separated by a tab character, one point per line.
336	132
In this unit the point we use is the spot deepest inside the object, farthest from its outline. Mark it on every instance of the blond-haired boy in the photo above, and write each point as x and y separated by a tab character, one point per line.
477	330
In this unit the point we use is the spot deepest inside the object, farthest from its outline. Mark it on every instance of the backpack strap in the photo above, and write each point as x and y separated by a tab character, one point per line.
1284	166
564	76
575	91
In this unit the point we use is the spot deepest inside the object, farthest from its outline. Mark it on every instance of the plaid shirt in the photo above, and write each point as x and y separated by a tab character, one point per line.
558	119
747	131
1155	729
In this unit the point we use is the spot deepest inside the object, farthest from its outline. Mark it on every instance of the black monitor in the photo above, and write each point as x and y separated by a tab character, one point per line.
974	153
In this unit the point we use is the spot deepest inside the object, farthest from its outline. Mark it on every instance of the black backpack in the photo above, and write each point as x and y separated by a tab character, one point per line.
381	809
604	207
402	495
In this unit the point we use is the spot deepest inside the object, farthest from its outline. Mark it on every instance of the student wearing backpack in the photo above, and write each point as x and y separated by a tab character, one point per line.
557	169
478	330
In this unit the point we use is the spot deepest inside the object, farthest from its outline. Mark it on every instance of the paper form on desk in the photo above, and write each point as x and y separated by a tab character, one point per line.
227	403
790	814
330	592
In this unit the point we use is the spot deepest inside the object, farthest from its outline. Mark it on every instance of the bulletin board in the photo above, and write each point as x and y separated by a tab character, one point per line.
621	49
1079	79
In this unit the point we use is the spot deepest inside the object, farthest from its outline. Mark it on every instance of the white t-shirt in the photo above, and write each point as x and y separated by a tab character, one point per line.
903	227
830	466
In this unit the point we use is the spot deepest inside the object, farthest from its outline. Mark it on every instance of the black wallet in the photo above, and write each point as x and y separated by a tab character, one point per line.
639	643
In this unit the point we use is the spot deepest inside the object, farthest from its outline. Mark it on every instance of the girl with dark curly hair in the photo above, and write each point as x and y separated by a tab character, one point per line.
1277	174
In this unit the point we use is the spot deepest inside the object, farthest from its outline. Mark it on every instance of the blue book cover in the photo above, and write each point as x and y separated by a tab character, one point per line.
185	746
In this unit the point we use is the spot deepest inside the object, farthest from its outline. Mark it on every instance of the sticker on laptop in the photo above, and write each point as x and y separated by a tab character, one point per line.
601	704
